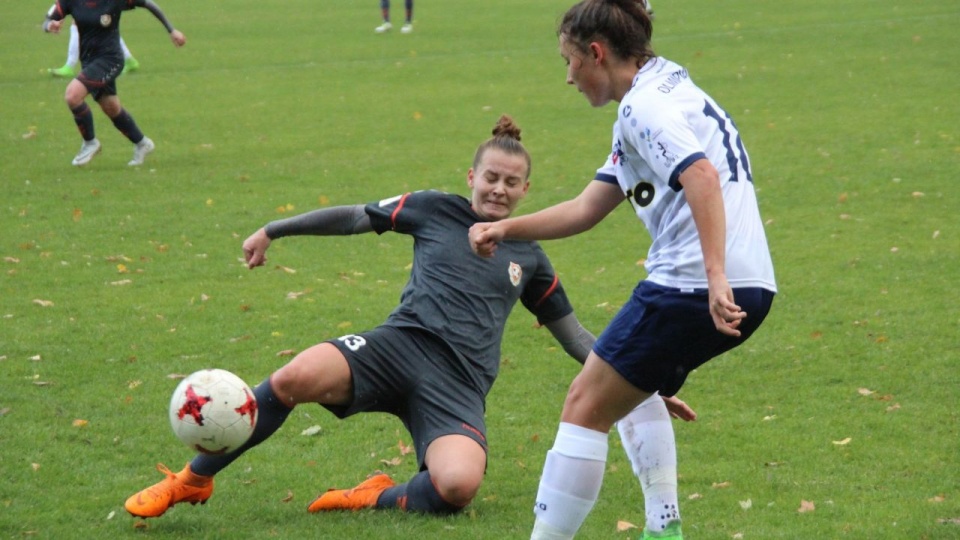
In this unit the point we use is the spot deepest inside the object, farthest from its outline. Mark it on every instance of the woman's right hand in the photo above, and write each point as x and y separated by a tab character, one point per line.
255	248
484	237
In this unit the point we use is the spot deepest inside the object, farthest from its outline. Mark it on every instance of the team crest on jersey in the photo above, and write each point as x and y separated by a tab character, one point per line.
105	20
515	273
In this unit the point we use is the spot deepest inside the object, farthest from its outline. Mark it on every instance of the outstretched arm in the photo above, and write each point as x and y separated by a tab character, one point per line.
176	36
559	221
336	221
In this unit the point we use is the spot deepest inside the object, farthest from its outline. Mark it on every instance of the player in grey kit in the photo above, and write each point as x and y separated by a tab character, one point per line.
98	24
434	359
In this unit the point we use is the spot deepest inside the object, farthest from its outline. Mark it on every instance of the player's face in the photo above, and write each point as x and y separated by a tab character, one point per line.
585	73
498	184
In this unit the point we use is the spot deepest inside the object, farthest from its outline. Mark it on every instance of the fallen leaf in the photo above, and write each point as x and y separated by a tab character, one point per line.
176	376
694	496
286	269
287	352
720	485
937	498
806	506
625	526
111	514
843	442
42	303
80	422
288	498
747	504
894	407
864	391
392	462
35	466
312	430
404	449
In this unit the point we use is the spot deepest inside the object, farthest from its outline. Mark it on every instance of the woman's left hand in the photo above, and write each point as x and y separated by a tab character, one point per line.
178	38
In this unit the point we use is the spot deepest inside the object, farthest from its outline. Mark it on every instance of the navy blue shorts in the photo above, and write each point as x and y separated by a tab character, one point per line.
662	334
414	375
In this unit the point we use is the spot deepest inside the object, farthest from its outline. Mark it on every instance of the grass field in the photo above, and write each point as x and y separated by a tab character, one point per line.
838	420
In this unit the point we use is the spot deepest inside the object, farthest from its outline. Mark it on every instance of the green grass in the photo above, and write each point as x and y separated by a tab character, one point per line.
849	112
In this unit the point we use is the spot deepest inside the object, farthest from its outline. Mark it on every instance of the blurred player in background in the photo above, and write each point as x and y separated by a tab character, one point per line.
385	12
98	24
69	69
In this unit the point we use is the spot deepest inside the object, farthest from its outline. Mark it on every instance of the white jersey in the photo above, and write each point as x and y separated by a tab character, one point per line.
664	124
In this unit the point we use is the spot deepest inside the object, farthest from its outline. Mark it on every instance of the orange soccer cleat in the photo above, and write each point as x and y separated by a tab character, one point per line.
363	496
184	486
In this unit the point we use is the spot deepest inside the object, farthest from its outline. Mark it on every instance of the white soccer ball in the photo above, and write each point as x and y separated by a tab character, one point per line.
213	411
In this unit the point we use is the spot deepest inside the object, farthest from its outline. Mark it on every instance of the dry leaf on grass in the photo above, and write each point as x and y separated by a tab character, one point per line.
312	430
806	506
625	526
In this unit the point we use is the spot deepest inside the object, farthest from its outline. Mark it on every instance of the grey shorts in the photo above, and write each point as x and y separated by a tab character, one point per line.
414	375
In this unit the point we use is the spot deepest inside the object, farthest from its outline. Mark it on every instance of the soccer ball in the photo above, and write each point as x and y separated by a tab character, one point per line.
213	411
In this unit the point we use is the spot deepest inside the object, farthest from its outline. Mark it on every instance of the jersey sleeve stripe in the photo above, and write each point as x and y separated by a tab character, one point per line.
550	289
393	216
682	166
607	178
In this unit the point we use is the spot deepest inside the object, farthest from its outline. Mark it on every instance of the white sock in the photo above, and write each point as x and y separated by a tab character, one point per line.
647	435
126	51
73	48
570	483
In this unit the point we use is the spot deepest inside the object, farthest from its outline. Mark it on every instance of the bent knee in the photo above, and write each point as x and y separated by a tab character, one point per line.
458	489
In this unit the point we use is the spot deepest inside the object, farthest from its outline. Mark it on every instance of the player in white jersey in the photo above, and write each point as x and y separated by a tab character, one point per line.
678	158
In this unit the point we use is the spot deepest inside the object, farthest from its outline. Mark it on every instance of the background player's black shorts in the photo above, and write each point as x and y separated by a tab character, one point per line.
415	375
100	74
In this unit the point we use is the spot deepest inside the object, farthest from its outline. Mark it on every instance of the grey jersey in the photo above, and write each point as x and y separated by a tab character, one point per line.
457	295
